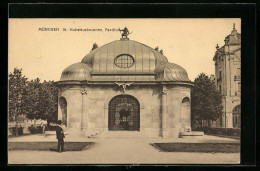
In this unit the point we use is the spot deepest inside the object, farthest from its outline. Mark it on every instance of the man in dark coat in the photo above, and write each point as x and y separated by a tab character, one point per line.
60	135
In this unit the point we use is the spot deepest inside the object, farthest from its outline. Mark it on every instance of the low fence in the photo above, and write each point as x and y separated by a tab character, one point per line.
220	131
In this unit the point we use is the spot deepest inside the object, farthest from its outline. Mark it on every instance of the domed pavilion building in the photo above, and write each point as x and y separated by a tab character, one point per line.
125	86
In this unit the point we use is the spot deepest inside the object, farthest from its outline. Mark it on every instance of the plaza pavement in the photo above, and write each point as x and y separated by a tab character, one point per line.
112	149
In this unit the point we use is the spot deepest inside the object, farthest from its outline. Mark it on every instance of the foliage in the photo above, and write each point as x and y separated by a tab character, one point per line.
33	109
206	101
35	130
32	129
17	90
49	103
13	131
32	98
220	131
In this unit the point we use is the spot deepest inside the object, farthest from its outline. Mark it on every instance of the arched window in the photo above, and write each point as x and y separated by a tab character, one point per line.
186	100
63	107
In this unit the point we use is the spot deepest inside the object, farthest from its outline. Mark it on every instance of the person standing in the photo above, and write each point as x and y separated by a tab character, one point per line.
60	135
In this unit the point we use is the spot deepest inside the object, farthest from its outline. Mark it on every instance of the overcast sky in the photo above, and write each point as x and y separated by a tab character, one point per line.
189	43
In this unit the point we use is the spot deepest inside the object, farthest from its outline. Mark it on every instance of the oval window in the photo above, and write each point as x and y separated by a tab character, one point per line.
124	61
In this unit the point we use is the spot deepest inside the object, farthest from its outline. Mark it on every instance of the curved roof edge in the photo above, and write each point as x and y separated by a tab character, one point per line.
77	72
171	72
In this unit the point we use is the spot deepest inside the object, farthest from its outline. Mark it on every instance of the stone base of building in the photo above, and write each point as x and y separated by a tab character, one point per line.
191	134
170	133
143	132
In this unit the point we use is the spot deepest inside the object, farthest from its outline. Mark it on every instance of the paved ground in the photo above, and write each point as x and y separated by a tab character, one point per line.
127	150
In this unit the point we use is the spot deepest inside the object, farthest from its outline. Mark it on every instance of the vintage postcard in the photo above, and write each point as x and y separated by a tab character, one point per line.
124	91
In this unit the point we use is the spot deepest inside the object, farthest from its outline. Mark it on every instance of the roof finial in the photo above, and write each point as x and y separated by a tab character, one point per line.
234	31
125	34
217	47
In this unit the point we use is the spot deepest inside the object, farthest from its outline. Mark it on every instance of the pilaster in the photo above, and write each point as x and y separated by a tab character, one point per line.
84	107
164	111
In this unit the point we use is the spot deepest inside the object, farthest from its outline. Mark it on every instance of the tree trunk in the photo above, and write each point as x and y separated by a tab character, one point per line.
48	123
34	122
201	122
16	126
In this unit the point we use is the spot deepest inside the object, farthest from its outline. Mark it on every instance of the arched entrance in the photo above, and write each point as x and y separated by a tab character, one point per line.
237	117
124	113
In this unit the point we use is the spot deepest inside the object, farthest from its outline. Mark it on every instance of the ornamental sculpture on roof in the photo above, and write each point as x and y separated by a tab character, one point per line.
125	32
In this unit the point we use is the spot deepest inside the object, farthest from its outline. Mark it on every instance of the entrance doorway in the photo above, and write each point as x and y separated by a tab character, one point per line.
124	113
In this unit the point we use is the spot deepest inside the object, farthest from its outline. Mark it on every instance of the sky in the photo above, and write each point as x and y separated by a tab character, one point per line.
190	43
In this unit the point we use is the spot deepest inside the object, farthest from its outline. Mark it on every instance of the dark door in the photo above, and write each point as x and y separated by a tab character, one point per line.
124	113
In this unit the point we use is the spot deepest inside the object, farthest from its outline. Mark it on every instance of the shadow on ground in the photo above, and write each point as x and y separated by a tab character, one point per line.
198	147
49	146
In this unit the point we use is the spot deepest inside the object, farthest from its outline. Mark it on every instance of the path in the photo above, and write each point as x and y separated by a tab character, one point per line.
126	150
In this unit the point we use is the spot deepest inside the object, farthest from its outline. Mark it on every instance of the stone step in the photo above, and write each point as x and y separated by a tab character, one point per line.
83	134
116	134
191	134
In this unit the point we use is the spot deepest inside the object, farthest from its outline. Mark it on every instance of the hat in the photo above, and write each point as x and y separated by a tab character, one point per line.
59	122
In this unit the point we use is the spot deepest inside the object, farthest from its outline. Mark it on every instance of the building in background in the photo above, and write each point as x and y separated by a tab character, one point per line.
228	80
212	77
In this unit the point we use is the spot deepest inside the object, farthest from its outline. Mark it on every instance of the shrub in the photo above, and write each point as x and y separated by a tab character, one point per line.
35	130
51	128
32	130
221	131
20	130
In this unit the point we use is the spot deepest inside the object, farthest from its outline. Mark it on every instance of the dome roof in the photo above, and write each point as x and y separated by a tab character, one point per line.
145	58
124	60
78	71
171	72
234	38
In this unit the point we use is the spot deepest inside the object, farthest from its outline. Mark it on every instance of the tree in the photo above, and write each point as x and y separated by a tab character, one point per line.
34	99
43	100
17	93
34	109
206	101
49	101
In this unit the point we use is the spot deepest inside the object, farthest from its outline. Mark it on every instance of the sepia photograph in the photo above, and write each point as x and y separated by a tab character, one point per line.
124	90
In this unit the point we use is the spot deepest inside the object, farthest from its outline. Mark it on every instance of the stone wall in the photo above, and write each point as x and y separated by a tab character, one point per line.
178	113
88	111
